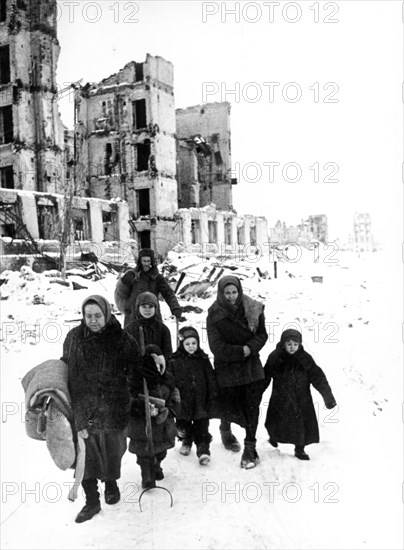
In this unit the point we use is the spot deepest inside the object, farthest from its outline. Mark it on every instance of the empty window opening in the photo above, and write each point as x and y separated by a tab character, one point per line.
109	224
8	230
195	231
46	222
108	159
139	114
6	124
212	229
3	10
240	235
138	72
253	236
144	237
143	202
7	177
5	64
143	154
228	232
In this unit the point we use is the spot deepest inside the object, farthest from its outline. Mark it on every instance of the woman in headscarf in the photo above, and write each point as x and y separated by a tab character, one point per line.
102	361
236	334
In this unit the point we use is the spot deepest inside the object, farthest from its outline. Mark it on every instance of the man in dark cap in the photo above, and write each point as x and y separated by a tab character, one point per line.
145	277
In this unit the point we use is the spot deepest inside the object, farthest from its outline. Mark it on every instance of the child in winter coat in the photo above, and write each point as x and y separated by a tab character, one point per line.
146	328
291	417
195	379
161	385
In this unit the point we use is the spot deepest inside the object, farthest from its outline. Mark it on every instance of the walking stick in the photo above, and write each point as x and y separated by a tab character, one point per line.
177	324
150	447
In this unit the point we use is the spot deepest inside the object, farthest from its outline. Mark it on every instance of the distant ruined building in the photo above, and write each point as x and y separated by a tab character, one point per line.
142	173
315	228
363	238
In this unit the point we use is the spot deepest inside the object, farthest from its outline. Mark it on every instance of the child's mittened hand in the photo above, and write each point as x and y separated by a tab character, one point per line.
331	404
159	361
153	410
162	415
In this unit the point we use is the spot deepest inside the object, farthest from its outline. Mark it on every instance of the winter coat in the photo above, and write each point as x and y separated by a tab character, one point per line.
100	367
151	331
163	426
150	281
291	417
195	379
231	328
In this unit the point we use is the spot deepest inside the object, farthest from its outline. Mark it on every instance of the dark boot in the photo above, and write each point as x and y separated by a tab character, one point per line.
92	506
158	470
146	474
249	458
229	441
111	493
300	453
272	441
203	453
185	448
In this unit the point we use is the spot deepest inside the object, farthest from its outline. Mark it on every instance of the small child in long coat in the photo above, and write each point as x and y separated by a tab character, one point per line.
161	385
195	380
291	417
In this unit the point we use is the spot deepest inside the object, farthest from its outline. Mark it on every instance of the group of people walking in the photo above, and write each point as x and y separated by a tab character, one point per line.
108	366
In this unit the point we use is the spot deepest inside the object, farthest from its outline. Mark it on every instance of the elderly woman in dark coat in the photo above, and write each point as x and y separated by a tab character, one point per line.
236	334
291	417
146	327
101	359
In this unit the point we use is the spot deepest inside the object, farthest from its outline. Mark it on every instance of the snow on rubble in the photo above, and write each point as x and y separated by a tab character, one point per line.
349	314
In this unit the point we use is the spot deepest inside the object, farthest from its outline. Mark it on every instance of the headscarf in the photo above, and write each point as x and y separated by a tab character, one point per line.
245	311
225	281
188	332
102	303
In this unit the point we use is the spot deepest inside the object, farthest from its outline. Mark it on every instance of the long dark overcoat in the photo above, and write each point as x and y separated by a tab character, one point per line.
195	379
153	331
291	417
151	281
227	334
164	433
100	369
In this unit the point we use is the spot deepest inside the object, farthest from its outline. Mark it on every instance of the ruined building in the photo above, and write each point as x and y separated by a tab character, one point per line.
363	238
204	156
139	172
127	146
37	168
314	228
31	133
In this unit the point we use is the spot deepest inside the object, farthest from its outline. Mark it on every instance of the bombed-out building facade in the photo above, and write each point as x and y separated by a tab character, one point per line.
138	171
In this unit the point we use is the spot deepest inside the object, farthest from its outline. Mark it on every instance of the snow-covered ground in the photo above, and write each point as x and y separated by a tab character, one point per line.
349	495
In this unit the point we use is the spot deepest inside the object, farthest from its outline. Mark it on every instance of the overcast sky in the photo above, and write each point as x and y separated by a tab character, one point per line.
315	89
